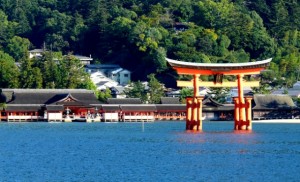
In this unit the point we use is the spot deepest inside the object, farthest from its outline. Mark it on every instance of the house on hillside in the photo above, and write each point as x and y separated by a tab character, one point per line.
84	59
173	93
122	76
101	81
111	71
106	69
37	53
293	92
180	26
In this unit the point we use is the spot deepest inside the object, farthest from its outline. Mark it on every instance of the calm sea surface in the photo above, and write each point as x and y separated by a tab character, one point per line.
160	151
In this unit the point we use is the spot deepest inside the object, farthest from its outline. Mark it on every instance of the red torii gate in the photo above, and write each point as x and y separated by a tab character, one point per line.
242	105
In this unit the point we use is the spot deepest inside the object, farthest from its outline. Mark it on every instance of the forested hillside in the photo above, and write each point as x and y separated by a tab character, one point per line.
139	34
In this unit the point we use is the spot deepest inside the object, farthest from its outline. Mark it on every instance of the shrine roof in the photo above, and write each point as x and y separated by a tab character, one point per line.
219	66
273	101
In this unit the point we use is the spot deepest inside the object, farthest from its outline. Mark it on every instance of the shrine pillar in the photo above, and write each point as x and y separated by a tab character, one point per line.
194	113
242	114
189	110
196	85
194	108
236	113
199	117
242	108
249	112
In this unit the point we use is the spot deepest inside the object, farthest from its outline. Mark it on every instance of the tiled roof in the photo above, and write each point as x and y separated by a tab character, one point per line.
124	101
102	66
273	101
171	107
16	90
169	100
227	107
23	107
51	96
208	101
7	95
54	107
110	108
80	57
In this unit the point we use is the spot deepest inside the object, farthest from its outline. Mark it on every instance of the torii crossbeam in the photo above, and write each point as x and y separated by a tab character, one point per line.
242	105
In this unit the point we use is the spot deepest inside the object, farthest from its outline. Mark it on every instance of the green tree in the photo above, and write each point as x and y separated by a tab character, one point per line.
2	101
156	90
145	37
37	78
57	26
136	90
71	72
30	77
181	9
88	84
262	89
219	94
50	71
213	14
261	44
8	71
7	29
17	47
184	93
103	95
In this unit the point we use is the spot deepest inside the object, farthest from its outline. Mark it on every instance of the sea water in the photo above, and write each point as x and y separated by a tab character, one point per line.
159	151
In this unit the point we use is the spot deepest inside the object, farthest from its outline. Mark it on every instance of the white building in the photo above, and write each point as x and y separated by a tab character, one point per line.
39	53
36	53
122	76
84	59
101	81
112	71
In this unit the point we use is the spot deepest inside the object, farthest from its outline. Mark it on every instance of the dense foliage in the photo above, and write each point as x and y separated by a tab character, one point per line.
139	34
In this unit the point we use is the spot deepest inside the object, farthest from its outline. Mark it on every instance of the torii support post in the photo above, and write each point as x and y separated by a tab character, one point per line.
194	113
242	108
194	108
249	112
239	122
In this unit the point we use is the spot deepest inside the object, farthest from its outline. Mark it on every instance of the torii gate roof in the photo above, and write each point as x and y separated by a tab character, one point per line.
219	68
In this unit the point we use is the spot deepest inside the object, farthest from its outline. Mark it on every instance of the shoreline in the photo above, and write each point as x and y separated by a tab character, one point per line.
277	121
291	121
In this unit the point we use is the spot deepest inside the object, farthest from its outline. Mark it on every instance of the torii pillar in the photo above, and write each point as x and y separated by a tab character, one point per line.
242	105
194	108
242	108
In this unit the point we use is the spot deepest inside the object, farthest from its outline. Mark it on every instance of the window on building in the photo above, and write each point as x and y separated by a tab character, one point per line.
126	75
